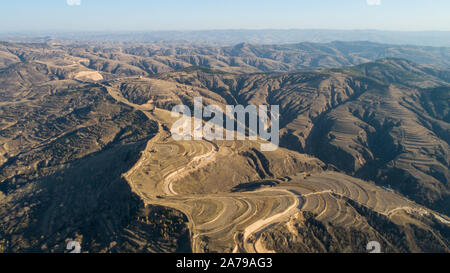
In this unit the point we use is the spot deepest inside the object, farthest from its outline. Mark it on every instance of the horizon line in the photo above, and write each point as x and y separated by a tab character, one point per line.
59	31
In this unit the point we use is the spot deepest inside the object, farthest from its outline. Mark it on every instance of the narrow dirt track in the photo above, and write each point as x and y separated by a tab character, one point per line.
259	226
196	163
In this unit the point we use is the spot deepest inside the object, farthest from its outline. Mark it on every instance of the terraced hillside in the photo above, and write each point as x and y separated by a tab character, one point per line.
86	151
62	157
360	120
228	215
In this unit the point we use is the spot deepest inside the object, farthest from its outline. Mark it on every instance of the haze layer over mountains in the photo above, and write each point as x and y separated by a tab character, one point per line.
233	37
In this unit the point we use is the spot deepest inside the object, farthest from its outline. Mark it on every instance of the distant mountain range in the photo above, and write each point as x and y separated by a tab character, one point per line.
231	37
148	59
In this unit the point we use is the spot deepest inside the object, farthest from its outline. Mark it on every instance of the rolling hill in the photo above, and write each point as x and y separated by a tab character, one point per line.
86	151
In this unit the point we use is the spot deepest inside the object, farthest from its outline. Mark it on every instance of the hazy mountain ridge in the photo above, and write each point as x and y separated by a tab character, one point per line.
242	58
231	37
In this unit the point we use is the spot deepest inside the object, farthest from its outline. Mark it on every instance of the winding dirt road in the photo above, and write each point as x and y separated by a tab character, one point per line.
259	226
232	221
239	209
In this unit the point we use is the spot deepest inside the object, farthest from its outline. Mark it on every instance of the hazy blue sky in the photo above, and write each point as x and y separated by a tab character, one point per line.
97	15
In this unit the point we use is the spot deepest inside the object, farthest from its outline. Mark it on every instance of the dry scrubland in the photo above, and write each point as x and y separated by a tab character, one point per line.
199	179
86	151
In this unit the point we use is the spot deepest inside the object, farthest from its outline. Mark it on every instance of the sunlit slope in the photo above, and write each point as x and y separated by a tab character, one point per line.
86	151
237	199
341	214
385	121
